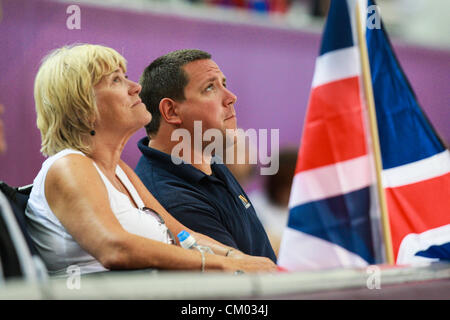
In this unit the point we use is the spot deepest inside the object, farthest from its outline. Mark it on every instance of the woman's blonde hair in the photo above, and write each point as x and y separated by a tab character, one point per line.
64	94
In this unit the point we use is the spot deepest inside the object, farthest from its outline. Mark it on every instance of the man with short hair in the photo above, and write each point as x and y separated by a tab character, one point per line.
180	89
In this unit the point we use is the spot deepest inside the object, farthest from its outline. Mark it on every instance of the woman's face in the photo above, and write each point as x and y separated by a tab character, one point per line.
119	104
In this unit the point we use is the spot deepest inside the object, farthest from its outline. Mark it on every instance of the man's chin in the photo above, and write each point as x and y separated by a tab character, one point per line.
231	125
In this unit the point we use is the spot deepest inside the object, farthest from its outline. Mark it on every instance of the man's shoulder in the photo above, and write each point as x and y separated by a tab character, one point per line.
168	188
181	197
156	175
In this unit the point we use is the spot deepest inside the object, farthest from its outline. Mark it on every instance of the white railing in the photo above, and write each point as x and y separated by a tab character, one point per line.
372	282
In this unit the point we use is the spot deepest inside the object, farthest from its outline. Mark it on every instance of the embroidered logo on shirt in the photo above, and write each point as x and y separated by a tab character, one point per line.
244	201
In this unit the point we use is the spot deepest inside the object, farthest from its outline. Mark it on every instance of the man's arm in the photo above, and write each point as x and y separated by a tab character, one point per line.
209	232
216	246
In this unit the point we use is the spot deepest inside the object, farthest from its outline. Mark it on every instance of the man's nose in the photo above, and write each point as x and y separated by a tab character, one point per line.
230	98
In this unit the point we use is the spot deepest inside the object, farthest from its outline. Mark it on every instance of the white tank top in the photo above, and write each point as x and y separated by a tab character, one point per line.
57	247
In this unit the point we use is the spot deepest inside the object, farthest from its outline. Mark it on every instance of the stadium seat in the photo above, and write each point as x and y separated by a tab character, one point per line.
19	258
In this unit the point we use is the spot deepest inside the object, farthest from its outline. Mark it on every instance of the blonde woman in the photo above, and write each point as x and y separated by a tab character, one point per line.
87	207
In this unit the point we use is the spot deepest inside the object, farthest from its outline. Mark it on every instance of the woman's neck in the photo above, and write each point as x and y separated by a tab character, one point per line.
106	153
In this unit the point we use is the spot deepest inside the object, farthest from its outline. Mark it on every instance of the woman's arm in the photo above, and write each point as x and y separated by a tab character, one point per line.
174	225
78	197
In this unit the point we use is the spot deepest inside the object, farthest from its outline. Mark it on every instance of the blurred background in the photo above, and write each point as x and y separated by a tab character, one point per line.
267	50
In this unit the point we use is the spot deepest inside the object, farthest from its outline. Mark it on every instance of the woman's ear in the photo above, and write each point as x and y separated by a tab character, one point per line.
169	111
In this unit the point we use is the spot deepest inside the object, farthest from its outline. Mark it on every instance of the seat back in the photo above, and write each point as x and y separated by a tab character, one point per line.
18	199
19	256
18	195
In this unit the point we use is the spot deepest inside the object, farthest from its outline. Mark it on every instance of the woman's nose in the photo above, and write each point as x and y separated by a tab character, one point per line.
134	88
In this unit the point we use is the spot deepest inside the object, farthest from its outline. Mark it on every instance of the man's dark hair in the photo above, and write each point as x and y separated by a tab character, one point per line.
165	78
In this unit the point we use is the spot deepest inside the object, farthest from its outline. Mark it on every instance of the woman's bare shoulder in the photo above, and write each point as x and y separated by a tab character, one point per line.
71	170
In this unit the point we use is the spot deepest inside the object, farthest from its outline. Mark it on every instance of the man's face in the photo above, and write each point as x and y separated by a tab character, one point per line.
207	98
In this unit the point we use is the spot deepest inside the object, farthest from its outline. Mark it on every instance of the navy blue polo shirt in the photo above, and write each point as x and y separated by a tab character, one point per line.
214	205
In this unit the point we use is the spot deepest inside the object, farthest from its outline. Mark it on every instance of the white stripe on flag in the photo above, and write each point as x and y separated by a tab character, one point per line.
332	180
336	65
413	243
301	251
417	171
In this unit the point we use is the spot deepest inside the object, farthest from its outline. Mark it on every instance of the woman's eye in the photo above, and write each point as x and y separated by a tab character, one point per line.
116	79
209	87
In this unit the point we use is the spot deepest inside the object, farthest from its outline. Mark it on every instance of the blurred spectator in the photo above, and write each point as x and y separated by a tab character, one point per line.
2	134
271	203
319	8
263	6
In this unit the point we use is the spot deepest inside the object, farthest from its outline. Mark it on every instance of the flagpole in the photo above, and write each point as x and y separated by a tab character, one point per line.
367	80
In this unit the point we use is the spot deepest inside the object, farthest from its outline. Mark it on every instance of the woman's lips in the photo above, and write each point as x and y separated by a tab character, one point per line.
136	103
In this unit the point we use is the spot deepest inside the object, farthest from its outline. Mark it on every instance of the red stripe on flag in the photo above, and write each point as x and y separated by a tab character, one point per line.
333	129
418	207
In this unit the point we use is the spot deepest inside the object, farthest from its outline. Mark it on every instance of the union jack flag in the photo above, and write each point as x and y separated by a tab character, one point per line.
334	218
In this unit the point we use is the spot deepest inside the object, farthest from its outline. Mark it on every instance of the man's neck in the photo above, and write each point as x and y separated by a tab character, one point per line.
196	159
